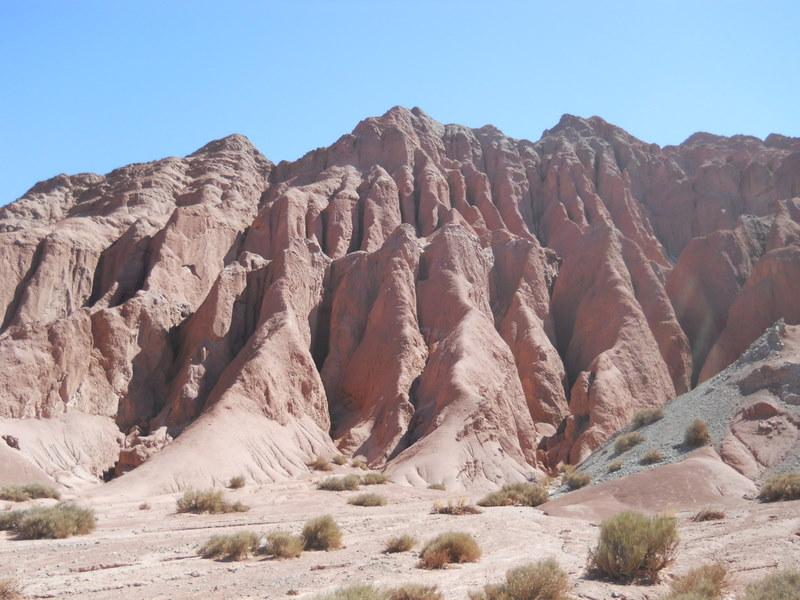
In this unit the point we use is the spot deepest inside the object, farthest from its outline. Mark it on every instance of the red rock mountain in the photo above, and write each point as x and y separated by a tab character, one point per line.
460	305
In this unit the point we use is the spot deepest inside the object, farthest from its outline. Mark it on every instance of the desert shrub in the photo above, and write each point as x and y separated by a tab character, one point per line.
367	500
10	519
10	590
697	434
354	592
651	457
400	543
633	547
627	441
542	580
339	459
615	466
236	546
322	533
340	484
55	522
646	416
458	507
282	544
447	548
207	501
781	487
144	506
707	582
236	482
320	464
374	478
708	514
414	591
359	462
575	479
437	486
783	585
29	491
516	494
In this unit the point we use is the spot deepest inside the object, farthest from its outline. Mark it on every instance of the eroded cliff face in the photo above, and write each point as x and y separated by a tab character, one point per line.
457	304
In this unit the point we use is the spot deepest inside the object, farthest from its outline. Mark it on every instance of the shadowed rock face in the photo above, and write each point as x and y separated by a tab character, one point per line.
462	305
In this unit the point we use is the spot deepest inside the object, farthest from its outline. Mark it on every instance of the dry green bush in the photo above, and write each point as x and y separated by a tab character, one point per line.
646	416
207	501
651	457
322	533
437	486
54	522
374	478
615	466
708	514
627	441
282	544
400	543
783	585
320	464
697	434
10	590
634	547
415	591
340	484
359	462
369	592
339	459
235	546
448	548
367	500
516	494
575	479
236	482
707	582
542	580
29	491
458	507
781	487
10	519
354	592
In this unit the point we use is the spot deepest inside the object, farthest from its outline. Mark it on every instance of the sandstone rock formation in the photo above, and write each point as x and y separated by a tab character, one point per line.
454	303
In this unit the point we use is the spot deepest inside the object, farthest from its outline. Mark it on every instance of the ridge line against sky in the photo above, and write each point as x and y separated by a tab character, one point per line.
91	86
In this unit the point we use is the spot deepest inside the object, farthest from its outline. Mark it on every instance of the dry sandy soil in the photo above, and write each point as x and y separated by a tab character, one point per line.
153	553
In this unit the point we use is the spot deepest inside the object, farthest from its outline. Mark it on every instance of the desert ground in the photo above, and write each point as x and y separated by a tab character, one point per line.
152	553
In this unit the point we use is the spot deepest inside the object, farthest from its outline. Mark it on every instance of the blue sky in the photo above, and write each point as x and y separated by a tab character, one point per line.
89	86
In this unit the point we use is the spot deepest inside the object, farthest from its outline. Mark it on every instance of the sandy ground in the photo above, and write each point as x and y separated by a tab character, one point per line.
152	553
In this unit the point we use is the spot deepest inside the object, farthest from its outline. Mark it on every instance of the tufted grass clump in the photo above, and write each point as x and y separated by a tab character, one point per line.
10	519
320	463
697	434
634	547
322	533
415	591
627	441
367	500
282	544
614	466
340	484
708	514
339	460
10	590
235	546
707	582
369	592
207	501
437	486
458	507
783	585
542	580
29	491
374	478
448	548
400	543
576	479
651	457
54	522
359	462
780	487
646	416
516	494
236	482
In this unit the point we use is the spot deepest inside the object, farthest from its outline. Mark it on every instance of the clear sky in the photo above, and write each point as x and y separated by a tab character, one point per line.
90	86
